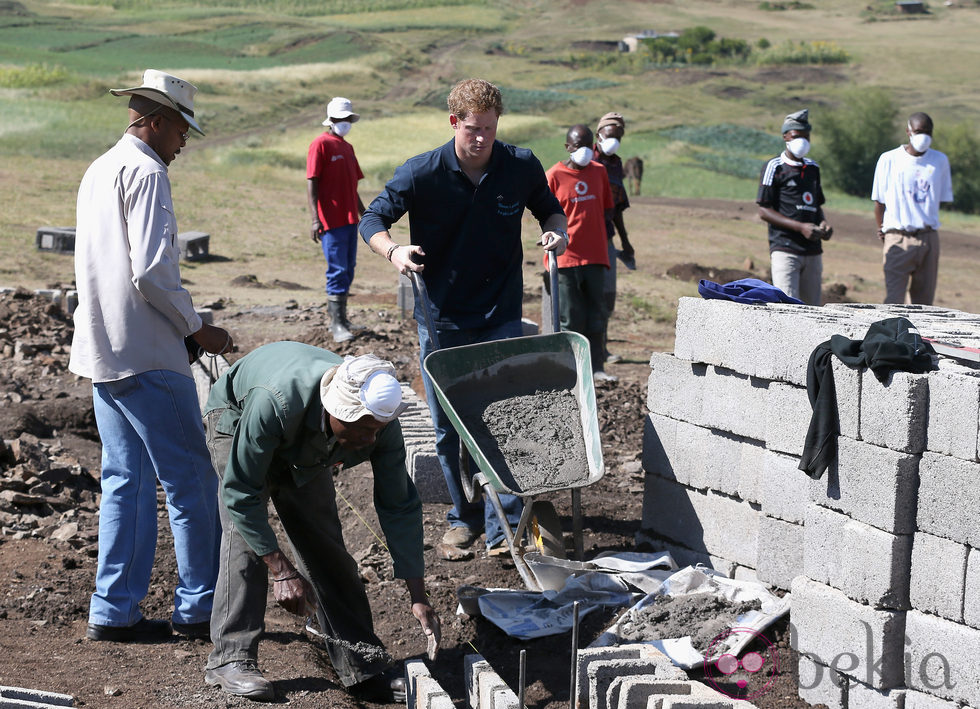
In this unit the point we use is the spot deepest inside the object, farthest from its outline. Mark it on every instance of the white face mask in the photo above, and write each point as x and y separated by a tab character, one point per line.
609	146
581	156
920	142
798	147
341	129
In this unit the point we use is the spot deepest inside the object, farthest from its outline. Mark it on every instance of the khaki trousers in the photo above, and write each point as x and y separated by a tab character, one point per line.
911	262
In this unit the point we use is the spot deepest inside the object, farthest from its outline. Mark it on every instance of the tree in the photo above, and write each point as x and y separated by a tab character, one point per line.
852	136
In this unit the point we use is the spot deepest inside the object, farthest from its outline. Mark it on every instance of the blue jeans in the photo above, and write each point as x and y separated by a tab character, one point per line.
340	249
150	426
464	513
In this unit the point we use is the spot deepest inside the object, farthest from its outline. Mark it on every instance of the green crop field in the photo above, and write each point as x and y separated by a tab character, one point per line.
265	70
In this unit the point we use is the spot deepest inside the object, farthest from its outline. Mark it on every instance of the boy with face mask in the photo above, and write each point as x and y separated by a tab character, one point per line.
582	187
791	201
910	182
609	134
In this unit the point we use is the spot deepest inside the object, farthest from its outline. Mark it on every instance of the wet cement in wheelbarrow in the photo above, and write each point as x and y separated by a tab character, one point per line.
531	434
703	616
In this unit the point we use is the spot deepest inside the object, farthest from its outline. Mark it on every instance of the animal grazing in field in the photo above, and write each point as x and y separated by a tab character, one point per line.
633	171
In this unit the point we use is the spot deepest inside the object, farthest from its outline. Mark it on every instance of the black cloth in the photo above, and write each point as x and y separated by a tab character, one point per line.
795	192
889	345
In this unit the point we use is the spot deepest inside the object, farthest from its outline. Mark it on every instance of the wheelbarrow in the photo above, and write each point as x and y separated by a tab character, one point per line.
501	369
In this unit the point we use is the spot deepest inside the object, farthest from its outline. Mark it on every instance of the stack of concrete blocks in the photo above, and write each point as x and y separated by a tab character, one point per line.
420	449
881	552
639	676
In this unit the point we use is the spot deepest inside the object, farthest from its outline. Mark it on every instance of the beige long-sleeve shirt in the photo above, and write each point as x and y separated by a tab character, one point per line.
132	311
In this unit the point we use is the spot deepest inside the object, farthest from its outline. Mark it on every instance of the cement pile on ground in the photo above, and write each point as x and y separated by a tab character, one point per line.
703	616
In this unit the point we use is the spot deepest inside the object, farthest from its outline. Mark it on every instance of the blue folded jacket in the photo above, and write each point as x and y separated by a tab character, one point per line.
744	290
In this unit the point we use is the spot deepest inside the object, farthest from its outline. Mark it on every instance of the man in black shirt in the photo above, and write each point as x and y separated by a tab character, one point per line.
790	200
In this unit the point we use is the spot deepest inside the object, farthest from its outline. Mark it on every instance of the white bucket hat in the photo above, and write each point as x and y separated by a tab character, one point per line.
167	90
340	108
362	385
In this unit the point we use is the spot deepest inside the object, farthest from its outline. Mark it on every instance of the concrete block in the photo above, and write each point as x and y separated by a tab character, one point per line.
427	690
785	489
601	675
938	576
874	485
894	413
787	418
780	553
702	328
819	684
60	239
745	573
869	565
847	382
634	692
700	521
952	427
474	666
750	464
675	387
588	657
659	451
849	637
860	695
948	498
193	245
795	331
440	701
414	669
734	402
921	700
494	694
707	459
71	301
21	697
941	658
971	595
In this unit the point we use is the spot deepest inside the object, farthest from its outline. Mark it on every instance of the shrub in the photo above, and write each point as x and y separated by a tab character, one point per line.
851	137
802	52
962	146
31	76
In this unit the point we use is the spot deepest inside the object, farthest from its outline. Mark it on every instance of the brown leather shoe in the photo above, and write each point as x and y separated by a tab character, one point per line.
242	678
460	537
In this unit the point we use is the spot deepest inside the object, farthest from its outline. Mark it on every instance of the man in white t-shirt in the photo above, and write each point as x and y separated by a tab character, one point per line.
910	182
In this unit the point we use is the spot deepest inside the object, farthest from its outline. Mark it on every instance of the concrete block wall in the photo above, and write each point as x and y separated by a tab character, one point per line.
883	552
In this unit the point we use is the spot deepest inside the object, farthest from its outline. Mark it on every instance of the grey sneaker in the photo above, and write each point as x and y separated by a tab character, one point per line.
601	376
242	678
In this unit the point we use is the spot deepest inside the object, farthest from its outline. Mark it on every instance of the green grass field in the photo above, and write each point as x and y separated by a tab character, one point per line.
265	70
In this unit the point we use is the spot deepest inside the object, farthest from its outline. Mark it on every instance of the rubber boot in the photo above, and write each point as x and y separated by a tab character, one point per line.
335	304
351	327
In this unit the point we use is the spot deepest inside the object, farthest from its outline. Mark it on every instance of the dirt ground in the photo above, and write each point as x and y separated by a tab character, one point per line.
48	508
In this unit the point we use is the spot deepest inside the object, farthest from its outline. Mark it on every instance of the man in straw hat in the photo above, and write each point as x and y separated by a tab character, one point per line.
132	318
332	174
790	200
281	423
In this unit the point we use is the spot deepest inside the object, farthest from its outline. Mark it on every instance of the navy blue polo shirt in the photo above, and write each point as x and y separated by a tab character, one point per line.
795	192
471	234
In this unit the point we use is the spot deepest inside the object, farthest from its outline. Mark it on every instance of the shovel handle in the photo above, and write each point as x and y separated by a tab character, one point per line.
423	295
553	276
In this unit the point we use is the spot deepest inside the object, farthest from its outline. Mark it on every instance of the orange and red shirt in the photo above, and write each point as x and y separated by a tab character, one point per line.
584	196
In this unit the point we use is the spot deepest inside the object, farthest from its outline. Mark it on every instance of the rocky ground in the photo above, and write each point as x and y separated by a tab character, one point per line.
49	493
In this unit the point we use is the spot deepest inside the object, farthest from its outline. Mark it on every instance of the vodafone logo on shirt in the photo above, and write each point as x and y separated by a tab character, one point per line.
581	187
582	190
807	198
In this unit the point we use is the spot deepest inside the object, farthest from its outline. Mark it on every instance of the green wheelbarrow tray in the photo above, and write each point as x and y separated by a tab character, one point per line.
516	367
492	371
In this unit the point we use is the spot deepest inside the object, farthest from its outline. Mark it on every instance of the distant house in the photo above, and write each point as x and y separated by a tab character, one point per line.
631	42
910	7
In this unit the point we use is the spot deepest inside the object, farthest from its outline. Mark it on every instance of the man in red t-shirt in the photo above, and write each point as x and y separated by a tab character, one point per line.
332	173
582	187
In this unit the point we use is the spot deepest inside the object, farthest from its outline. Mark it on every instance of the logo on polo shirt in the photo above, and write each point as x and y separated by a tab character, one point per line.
808	198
